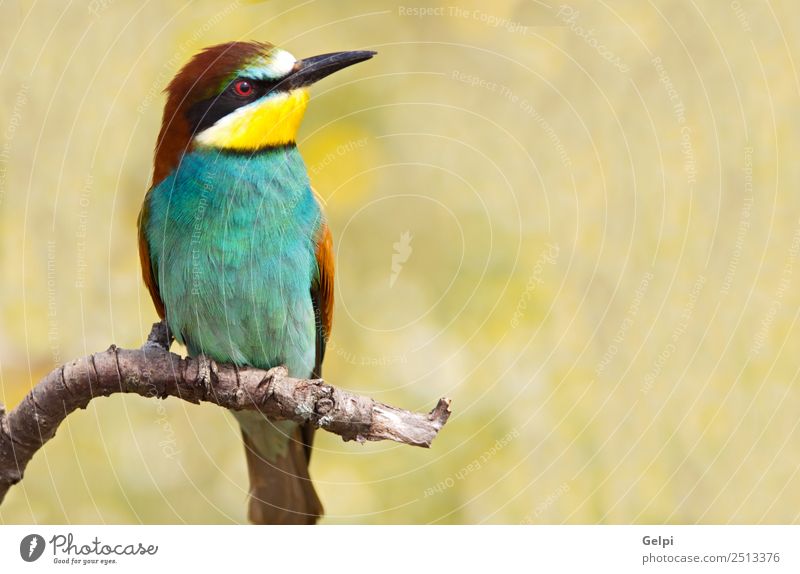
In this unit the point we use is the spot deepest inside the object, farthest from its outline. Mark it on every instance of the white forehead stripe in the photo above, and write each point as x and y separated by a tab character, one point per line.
277	65
281	62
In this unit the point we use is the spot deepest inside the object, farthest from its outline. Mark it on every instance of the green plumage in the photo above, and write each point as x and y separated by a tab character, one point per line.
231	240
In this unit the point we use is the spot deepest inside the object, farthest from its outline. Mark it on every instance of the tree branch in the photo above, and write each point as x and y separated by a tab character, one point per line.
152	371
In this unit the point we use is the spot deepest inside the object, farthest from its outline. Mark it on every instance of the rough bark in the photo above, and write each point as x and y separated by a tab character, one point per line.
152	371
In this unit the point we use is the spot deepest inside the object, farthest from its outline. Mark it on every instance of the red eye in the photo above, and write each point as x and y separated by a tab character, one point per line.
243	88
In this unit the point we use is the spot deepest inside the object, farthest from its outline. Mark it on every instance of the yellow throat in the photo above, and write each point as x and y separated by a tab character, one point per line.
271	121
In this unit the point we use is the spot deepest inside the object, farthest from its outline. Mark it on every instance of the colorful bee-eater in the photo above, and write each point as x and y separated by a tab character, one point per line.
234	247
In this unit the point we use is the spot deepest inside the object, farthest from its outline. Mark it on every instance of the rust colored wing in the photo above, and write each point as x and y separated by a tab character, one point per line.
322	294
148	273
322	299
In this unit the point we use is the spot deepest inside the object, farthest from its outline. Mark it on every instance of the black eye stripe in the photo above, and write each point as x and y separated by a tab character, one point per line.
206	113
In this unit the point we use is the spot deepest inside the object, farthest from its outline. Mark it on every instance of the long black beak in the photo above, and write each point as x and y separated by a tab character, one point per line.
309	70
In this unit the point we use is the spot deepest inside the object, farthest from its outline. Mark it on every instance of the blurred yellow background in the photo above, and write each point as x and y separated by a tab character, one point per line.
579	220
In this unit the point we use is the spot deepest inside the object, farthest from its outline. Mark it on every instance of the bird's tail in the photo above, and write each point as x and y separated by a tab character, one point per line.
277	454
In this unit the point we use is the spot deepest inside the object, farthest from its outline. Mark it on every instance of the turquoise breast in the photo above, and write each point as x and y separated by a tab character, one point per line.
231	239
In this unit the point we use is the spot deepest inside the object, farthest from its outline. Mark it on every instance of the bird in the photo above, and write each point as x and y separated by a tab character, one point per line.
235	250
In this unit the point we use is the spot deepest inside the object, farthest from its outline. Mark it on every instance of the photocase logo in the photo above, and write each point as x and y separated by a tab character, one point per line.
402	251
31	547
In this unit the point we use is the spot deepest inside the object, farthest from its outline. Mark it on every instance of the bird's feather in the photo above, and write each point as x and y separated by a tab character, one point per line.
148	273
322	294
